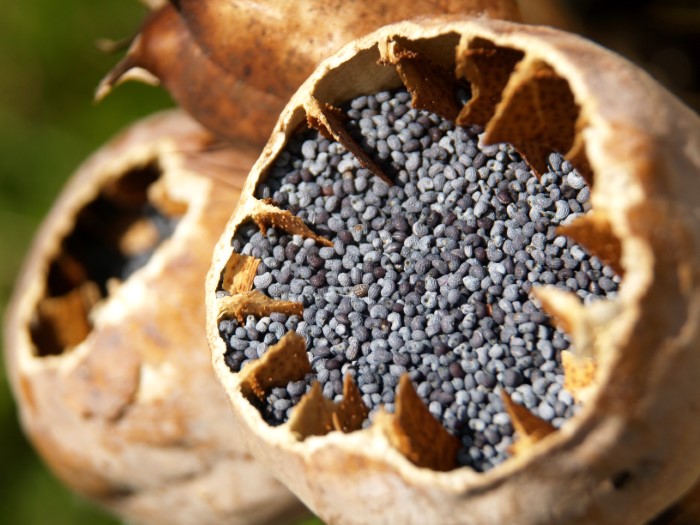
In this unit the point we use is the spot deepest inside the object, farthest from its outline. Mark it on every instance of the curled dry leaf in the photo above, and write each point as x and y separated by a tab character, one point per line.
104	339
631	449
233	65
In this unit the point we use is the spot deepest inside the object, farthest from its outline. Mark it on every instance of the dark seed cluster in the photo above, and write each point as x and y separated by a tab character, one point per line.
430	276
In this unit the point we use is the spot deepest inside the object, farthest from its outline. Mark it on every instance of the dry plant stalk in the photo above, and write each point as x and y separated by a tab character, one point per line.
632	449
109	363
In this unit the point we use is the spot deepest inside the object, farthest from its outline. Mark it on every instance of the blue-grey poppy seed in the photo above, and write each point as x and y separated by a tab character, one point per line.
445	258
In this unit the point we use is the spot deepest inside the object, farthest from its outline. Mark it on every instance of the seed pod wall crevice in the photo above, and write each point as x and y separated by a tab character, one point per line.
631	449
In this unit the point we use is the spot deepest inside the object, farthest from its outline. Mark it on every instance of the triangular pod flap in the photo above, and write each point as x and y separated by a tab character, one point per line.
257	304
283	362
579	373
414	432
64	320
239	272
577	155
330	122
316	416
161	198
594	231
528	426
537	115
487	68
138	237
351	411
568	314
432	87
313	415
267	215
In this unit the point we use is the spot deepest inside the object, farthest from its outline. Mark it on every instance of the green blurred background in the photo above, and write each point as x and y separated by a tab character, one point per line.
49	67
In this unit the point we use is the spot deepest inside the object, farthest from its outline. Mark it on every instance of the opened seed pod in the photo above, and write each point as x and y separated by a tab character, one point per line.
461	284
105	340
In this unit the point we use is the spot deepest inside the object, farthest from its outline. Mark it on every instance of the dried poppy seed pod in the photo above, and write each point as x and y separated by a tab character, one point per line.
104	338
631	450
233	65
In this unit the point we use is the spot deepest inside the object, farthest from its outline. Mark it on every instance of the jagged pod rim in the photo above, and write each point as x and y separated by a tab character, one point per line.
642	148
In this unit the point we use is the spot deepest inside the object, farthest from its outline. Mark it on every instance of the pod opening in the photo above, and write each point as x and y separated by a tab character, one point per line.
113	236
436	237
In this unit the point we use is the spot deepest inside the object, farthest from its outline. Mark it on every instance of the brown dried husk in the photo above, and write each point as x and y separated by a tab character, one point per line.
128	412
234	65
633	448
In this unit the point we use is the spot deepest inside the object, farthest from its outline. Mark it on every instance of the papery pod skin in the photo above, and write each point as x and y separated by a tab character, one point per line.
166	52
131	415
252	40
633	448
234	65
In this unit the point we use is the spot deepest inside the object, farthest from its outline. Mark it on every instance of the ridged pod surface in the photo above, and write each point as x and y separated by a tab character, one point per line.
632	449
110	365
234	65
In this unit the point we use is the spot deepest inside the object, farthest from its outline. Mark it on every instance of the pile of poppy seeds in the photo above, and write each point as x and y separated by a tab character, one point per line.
429	276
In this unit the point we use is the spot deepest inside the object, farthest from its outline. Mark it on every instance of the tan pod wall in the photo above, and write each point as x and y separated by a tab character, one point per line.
113	378
632	449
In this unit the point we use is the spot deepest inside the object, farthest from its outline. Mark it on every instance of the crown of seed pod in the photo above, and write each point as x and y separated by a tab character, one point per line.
105	343
520	326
